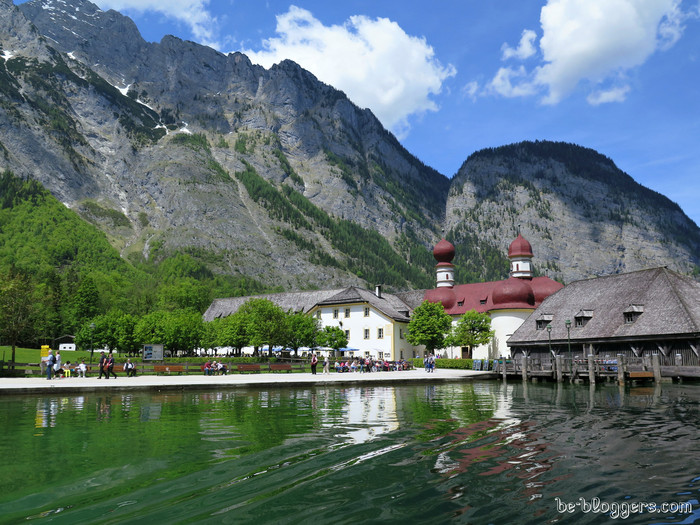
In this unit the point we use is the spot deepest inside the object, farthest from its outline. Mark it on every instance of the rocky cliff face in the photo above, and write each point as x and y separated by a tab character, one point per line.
582	215
268	173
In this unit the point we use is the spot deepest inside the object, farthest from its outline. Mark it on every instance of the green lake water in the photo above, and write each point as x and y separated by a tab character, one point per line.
473	452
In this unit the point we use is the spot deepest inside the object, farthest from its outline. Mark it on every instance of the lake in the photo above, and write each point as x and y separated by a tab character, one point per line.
471	452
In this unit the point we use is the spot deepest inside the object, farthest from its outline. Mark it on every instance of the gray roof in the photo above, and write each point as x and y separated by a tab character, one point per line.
664	304
389	304
294	301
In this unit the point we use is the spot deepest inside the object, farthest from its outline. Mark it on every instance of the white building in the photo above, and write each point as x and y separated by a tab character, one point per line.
375	324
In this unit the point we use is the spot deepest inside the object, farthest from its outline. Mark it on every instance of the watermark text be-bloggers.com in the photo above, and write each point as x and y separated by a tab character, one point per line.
623	509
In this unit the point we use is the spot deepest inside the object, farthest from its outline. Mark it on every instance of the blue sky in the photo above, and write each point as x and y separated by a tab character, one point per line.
453	76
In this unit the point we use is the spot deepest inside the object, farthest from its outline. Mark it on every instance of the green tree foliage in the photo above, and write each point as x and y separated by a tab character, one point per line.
472	329
113	330
233	332
85	301
332	337
179	331
264	323
17	308
429	326
301	330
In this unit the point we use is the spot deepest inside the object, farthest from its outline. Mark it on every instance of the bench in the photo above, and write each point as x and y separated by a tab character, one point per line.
248	368
280	367
168	369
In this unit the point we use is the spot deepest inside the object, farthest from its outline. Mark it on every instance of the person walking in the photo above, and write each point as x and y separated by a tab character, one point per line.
103	361
326	365
50	361
314	362
109	366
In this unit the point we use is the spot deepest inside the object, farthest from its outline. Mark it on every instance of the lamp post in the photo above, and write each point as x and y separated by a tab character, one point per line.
92	339
568	341
549	336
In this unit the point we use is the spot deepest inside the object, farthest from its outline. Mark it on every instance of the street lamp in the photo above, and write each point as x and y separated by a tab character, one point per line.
568	341
549	335
92	339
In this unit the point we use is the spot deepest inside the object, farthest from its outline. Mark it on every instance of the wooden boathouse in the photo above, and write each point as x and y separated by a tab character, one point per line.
631	326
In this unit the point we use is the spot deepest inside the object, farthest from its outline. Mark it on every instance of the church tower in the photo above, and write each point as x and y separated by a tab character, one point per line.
520	255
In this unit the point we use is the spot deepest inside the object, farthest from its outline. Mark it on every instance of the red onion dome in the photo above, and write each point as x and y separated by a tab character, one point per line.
520	248
444	251
544	287
513	292
443	295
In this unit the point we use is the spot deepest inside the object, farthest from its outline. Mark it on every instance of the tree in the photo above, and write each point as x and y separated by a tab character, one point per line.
472	329
17	308
233	332
332	337
85	302
302	330
264	323
429	326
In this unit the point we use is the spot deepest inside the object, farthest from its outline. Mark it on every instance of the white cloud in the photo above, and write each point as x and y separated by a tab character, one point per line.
374	62
471	89
503	83
610	95
526	48
594	41
193	13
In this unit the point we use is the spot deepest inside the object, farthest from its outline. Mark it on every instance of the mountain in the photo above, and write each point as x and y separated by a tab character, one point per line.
581	213
173	147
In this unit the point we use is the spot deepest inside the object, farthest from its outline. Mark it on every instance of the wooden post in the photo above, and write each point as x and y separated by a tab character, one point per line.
656	366
524	369
591	369
620	369
558	364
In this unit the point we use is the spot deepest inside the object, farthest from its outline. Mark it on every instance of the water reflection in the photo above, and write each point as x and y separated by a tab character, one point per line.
487	452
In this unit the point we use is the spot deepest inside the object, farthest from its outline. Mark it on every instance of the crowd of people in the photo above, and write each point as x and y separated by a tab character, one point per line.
365	365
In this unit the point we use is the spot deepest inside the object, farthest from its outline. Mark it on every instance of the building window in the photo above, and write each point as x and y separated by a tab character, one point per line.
318	314
541	325
366	311
347	334
460	303
347	312
366	333
400	333
630	317
580	322
380	333
335	313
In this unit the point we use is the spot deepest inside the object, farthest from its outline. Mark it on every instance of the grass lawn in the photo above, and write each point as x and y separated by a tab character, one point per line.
33	355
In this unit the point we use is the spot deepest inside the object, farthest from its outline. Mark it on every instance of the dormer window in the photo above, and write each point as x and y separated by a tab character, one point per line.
543	321
460	303
632	313
581	319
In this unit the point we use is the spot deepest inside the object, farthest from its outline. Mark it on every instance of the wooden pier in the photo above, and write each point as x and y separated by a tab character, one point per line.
593	369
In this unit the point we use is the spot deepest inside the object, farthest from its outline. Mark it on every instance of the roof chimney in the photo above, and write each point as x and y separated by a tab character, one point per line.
378	291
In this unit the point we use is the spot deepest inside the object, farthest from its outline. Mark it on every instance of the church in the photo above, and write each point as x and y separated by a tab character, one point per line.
507	302
376	322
